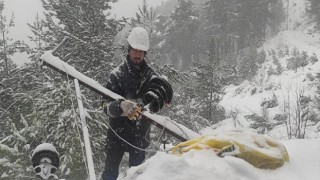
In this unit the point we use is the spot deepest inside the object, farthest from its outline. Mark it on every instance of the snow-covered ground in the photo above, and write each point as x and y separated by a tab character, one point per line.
304	164
246	99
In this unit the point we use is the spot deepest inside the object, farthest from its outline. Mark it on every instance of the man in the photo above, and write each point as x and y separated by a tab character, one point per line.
142	88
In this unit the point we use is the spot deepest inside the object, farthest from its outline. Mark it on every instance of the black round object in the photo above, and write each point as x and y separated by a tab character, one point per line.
153	101
148	97
154	106
165	85
159	98
161	90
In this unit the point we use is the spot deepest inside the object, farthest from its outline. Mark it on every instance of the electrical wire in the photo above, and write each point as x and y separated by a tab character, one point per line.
125	141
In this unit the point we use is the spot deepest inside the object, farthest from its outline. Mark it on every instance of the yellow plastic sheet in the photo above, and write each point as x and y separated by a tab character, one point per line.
258	150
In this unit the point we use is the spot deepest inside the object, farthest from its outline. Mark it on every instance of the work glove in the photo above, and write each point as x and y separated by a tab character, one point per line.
122	108
130	109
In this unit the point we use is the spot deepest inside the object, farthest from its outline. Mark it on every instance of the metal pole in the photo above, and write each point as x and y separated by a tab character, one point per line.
92	174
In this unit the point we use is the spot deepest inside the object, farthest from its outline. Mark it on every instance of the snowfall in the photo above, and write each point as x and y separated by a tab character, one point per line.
304	158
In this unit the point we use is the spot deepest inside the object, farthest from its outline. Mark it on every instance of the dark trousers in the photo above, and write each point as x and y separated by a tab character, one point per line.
115	152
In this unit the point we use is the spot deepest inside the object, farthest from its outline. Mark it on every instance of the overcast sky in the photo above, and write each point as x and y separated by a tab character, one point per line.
128	8
25	12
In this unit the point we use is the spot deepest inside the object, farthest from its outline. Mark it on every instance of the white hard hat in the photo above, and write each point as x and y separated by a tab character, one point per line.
139	39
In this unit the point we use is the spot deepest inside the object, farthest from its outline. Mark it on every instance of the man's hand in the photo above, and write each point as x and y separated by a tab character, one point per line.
130	109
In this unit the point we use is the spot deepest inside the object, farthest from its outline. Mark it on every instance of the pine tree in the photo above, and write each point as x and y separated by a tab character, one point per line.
185	108
91	34
316	101
19	94
40	37
181	40
245	19
217	16
14	103
145	17
7	67
248	64
277	16
314	11
259	123
8	46
43	106
211	77
90	49
251	21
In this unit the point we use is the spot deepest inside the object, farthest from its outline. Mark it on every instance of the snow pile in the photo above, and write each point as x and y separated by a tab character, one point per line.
251	141
206	165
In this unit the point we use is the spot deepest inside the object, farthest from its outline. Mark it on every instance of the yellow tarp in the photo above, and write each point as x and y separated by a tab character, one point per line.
258	150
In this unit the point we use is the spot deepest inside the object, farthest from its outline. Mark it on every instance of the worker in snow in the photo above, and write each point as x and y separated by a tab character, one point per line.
143	90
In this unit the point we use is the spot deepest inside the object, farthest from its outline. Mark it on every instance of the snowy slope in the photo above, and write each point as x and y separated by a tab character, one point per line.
205	165
286	87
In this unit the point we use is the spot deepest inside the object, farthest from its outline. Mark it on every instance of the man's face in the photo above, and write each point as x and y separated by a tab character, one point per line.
136	56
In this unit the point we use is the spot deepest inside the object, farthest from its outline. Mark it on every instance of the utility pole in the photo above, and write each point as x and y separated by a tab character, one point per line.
92	174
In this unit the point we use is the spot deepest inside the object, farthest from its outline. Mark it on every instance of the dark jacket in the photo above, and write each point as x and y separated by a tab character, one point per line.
131	83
